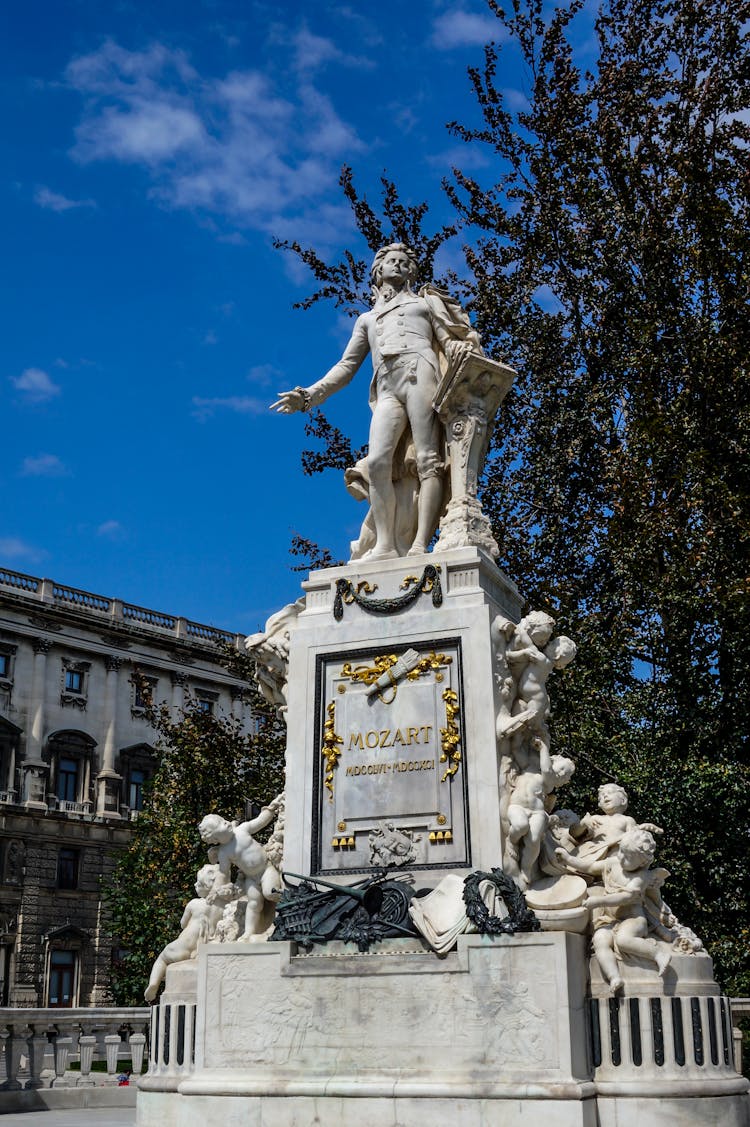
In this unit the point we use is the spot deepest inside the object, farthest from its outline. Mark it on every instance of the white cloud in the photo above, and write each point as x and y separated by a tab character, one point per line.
111	530
35	385
235	147
263	374
44	465
314	51
468	158
13	548
459	28
240	404
53	201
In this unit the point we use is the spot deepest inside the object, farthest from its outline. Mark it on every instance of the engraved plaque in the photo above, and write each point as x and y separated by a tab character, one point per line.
390	759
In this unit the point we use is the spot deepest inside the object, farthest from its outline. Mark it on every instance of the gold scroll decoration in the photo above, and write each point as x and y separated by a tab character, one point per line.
331	749
450	735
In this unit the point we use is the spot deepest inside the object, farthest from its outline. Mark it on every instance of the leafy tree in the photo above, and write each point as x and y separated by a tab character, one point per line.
608	262
207	764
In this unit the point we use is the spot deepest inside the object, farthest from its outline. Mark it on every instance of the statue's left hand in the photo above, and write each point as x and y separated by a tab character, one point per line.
456	350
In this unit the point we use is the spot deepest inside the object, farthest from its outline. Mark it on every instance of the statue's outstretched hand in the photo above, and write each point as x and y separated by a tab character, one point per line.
290	401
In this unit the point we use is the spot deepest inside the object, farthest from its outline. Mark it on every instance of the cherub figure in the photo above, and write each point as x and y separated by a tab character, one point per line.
235	845
530	655
620	912
600	834
532	798
198	923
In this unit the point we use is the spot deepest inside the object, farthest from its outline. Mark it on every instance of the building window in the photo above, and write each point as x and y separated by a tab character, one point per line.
205	704
144	694
135	788
67	868
6	661
67	780
73	681
62	976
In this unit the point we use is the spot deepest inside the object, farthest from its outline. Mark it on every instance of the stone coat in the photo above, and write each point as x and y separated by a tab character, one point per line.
404	325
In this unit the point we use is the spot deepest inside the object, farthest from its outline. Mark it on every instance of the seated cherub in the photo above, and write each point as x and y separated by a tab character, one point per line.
619	907
198	923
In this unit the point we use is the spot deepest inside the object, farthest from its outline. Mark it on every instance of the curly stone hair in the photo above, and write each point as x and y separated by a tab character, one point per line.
376	270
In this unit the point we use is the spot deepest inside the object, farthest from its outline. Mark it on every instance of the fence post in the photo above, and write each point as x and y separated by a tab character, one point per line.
37	1049
86	1045
62	1052
137	1046
112	1043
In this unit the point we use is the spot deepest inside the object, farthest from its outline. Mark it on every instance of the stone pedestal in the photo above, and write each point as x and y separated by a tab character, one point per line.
392	1038
662	1049
358	757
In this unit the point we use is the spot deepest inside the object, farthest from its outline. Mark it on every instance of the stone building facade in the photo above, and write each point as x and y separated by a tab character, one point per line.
76	749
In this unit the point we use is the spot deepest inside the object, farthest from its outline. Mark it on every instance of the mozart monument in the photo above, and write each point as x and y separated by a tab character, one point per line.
428	935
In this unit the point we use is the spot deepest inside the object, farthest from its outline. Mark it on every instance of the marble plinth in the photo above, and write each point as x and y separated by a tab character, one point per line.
387	764
487	1035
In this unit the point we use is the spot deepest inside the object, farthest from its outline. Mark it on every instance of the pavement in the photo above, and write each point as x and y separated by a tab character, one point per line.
71	1117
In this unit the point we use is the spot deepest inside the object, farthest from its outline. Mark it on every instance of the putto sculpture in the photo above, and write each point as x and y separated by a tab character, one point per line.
233	848
420	343
198	923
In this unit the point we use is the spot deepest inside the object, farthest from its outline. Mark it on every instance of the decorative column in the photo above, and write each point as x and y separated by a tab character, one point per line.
108	781
179	681
34	768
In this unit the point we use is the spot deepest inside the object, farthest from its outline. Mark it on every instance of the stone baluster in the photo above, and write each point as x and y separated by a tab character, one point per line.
86	1046
37	1049
112	1043
137	1047
15	1039
63	1046
108	781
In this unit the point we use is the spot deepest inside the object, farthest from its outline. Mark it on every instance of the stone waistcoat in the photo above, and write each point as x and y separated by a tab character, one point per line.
403	325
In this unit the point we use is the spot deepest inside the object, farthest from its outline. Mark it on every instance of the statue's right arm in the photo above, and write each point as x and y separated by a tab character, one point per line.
302	399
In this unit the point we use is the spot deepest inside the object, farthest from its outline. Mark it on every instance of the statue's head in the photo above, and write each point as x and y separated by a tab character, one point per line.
538	626
562	769
214	828
637	849
401	249
612	798
561	651
204	880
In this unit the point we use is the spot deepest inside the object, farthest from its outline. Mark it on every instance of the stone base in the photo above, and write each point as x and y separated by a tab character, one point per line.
391	1111
487	1035
496	1034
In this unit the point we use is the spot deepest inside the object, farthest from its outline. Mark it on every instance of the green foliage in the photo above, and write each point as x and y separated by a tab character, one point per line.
609	264
207	764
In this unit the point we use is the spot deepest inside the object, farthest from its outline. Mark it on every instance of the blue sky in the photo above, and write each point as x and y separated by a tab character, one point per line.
152	151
